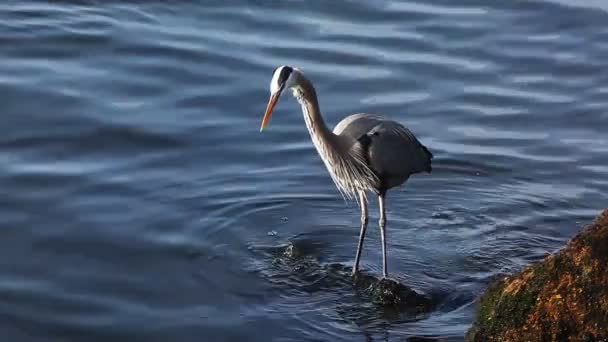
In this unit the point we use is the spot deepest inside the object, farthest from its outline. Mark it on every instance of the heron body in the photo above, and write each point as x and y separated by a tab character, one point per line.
392	152
364	152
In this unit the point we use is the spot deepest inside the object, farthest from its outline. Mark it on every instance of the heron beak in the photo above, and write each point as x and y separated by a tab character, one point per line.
274	98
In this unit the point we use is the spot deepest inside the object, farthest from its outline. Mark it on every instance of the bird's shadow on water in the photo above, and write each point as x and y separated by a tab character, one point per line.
363	299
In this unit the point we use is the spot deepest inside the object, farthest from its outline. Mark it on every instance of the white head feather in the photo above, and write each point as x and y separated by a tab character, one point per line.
275	84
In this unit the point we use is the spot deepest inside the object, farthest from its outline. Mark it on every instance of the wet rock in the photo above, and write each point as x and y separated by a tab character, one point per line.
292	251
388	292
297	264
562	298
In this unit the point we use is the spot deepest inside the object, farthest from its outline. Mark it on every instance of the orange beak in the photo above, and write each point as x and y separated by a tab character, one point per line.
274	98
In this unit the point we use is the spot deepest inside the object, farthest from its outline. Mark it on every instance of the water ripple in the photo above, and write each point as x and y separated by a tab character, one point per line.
140	201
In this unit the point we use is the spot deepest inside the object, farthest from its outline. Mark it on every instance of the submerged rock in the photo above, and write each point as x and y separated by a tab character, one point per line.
388	292
298	262
562	298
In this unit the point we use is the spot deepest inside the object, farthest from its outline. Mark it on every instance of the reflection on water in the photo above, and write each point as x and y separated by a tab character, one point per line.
141	203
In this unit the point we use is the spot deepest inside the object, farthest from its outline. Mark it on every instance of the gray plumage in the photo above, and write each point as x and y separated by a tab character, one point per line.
364	152
391	150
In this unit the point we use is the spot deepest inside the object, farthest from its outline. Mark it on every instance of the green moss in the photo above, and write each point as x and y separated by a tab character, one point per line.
544	272
487	303
513	310
499	311
578	273
586	239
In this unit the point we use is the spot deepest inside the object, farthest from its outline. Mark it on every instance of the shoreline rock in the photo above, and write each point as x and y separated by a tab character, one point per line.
564	297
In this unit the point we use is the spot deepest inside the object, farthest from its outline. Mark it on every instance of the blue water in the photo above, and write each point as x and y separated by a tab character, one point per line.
139	202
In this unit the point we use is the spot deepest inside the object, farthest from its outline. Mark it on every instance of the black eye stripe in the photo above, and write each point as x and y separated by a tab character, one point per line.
285	72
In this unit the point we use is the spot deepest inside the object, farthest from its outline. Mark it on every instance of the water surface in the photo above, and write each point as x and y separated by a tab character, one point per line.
140	202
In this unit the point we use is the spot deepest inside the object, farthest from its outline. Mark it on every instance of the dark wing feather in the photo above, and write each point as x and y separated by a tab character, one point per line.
392	150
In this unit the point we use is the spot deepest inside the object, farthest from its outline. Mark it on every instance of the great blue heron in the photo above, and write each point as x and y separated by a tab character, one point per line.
364	152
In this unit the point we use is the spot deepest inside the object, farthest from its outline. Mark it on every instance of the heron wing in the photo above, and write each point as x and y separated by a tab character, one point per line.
391	148
356	125
395	151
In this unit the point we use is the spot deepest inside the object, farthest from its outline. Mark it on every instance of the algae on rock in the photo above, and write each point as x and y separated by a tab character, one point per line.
562	298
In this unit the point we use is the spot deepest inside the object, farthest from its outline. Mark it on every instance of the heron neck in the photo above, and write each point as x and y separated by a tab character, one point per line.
347	170
307	96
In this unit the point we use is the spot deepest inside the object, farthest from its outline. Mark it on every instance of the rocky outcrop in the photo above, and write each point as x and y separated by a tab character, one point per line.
562	298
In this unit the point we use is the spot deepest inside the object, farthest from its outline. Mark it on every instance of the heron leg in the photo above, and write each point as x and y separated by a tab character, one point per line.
382	224
362	232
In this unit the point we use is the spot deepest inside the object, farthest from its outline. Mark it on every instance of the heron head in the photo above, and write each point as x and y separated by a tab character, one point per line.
283	77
